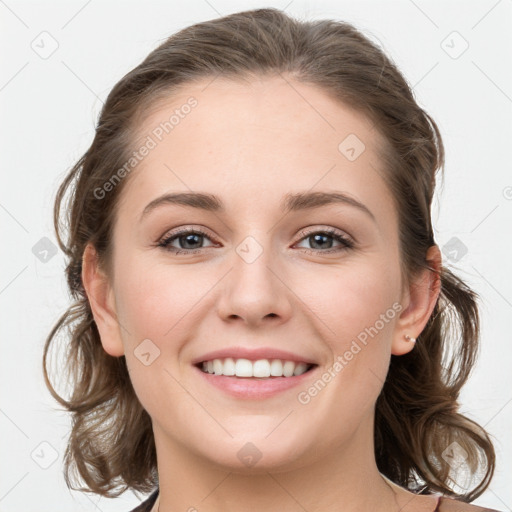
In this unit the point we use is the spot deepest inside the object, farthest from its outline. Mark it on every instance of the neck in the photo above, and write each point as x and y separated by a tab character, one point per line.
346	476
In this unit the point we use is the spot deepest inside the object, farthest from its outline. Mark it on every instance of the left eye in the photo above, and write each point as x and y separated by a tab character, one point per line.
320	237
190	240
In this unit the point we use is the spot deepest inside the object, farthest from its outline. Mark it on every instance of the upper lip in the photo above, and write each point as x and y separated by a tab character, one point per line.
253	354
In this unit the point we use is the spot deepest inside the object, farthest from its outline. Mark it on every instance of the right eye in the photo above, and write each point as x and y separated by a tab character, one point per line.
185	238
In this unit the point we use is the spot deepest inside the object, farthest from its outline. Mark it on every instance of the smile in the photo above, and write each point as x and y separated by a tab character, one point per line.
260	379
261	368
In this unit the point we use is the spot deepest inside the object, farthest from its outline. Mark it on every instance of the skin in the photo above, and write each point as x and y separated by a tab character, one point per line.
250	143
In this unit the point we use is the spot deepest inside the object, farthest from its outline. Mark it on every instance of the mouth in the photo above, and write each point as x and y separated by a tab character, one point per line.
254	369
259	379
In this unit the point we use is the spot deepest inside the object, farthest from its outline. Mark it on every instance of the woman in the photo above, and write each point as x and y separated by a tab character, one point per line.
221	356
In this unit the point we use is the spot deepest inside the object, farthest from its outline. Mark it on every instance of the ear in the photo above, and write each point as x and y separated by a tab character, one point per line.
419	300
101	299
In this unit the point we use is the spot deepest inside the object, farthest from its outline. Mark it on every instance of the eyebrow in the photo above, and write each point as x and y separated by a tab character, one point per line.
291	202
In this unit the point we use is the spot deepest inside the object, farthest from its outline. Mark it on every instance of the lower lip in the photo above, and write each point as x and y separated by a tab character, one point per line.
254	388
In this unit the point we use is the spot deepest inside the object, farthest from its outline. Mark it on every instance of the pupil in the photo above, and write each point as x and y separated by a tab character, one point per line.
189	239
319	236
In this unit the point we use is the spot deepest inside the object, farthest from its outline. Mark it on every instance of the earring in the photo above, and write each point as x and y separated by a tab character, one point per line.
408	338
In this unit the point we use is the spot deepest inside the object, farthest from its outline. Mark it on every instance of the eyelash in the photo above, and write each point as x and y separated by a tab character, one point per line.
330	232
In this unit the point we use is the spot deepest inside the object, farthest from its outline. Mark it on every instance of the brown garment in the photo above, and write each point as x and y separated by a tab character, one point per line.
146	506
451	505
443	505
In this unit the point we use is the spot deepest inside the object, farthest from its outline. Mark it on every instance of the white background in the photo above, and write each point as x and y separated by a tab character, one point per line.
49	109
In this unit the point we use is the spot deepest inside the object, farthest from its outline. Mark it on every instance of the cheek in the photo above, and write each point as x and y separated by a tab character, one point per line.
155	304
356	309
350	300
154	300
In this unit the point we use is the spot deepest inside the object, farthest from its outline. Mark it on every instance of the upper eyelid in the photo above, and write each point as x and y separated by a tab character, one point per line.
180	231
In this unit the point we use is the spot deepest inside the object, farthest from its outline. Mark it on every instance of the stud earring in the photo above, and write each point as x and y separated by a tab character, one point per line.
408	338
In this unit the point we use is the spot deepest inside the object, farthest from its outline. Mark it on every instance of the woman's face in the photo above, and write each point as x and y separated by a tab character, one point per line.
262	276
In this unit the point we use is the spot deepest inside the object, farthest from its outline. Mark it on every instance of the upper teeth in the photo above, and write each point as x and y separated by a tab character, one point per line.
259	368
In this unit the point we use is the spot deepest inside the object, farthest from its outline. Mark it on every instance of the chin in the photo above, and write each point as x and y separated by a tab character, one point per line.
259	455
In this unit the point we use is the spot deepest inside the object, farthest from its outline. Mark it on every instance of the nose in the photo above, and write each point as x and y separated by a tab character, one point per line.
255	291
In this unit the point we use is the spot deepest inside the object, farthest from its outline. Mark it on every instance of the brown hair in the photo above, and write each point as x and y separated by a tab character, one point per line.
111	444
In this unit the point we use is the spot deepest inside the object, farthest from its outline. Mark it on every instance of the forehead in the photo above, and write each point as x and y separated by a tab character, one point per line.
253	141
283	110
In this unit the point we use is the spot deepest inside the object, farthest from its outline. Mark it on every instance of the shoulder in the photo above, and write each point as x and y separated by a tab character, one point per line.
147	505
444	505
452	505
